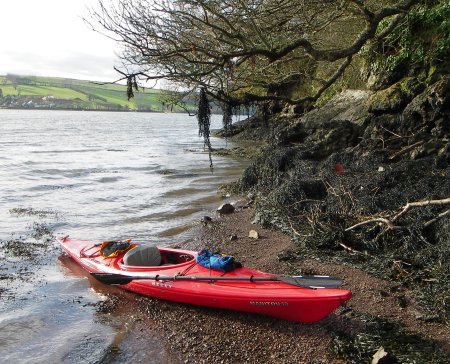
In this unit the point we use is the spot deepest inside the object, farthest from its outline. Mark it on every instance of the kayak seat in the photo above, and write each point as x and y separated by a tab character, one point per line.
143	256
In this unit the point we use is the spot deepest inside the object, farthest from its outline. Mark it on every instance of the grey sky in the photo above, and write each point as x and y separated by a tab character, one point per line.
49	38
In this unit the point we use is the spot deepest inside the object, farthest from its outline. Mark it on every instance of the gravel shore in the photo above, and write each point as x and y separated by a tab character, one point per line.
202	335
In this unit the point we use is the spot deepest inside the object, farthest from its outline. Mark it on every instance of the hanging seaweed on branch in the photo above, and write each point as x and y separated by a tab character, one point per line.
204	121
131	85
227	120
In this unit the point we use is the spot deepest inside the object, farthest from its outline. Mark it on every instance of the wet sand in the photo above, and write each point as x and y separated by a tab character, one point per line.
201	335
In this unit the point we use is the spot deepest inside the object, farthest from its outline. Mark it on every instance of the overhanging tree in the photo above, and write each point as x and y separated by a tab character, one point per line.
245	51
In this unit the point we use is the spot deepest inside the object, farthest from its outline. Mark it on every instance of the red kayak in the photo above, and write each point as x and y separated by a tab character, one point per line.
175	275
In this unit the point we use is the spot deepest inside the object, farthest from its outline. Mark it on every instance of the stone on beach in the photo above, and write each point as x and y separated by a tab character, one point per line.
226	208
253	234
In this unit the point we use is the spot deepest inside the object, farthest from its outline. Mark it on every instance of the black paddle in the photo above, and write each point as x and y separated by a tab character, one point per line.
299	281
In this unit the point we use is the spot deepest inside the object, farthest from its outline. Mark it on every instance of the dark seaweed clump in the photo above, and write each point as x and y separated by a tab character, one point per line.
22	256
376	333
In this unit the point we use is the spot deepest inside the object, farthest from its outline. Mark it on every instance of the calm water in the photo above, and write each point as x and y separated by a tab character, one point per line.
91	176
107	175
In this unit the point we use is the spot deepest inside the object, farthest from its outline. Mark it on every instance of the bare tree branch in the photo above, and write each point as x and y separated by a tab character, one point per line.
438	217
239	49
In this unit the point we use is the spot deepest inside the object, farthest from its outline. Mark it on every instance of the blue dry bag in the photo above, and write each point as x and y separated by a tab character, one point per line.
225	263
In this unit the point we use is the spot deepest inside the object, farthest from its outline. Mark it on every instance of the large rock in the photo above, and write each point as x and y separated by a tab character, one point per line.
431	103
346	106
335	126
394	99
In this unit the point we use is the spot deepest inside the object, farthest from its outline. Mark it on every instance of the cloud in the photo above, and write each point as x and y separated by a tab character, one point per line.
49	38
95	67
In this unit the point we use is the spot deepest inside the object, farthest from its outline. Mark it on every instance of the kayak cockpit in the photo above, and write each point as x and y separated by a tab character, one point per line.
175	258
146	256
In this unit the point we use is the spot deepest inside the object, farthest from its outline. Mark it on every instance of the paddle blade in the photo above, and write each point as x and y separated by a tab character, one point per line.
112	278
313	281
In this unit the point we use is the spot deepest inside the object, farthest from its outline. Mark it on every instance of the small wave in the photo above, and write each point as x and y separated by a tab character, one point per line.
48	171
86	172
177	230
53	187
183	192
148	168
163	216
109	179
64	151
182	175
166	172
71	173
173	173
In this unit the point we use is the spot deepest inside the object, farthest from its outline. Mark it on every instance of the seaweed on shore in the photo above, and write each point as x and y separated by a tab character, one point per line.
401	345
317	213
381	204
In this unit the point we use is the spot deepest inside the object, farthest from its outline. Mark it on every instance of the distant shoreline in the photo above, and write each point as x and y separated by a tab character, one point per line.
49	93
75	109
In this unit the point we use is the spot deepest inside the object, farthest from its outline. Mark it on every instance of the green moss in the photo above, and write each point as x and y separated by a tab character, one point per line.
396	97
420	42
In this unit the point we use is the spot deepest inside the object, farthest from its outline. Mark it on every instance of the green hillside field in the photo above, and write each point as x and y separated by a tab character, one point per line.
62	93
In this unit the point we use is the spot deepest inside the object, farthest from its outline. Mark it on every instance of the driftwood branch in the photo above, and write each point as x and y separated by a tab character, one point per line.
438	217
405	150
352	249
390	223
410	205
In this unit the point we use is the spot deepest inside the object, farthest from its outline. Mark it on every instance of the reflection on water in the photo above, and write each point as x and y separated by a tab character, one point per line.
134	338
96	176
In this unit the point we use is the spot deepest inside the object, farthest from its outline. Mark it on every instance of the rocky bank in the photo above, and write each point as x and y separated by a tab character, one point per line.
361	186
